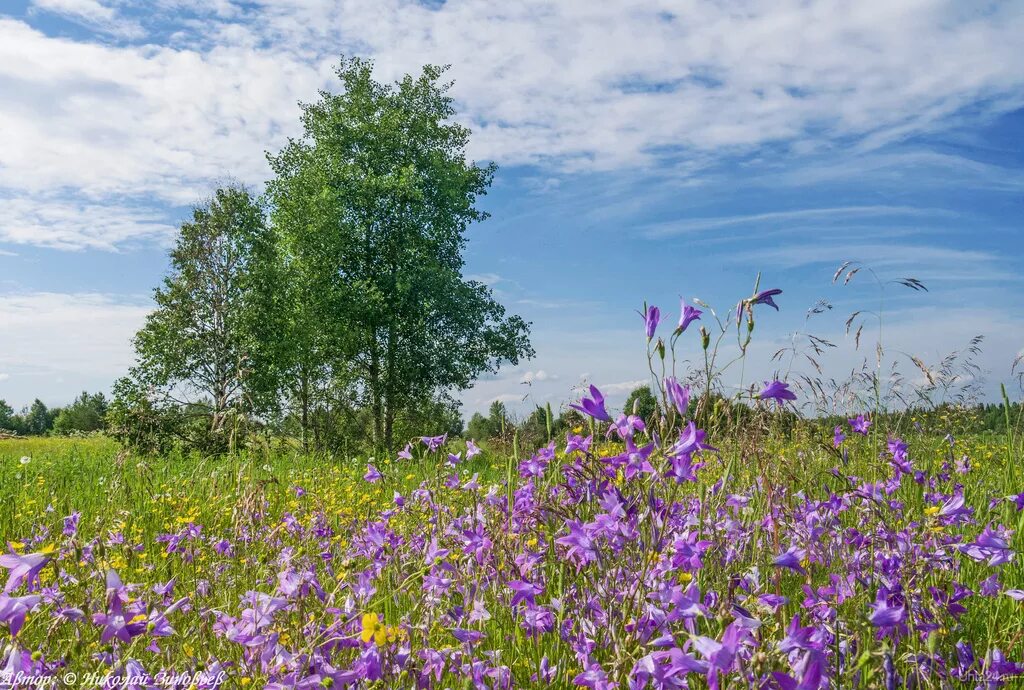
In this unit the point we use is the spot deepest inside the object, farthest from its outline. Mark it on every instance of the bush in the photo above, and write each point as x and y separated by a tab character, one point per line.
642	403
87	413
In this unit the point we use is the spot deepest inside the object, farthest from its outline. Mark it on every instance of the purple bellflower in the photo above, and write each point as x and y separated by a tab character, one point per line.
593	406
687	316
777	391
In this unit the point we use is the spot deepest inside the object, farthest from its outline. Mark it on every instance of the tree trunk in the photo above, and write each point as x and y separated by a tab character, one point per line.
389	392
376	401
389	428
304	395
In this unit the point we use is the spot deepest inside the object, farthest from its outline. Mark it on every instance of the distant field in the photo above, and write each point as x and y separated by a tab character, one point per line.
292	570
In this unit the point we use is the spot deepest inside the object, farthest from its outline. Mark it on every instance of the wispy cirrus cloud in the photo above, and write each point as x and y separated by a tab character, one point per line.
915	167
946	266
93	14
88	10
803	215
63	223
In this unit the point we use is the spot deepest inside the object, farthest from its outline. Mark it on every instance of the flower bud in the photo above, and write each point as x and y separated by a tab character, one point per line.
705	338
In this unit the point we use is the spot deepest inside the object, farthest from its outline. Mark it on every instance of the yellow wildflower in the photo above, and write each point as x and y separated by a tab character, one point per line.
373	629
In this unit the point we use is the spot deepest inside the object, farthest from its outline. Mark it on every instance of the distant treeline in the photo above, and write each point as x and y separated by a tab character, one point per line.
945	418
87	414
543	422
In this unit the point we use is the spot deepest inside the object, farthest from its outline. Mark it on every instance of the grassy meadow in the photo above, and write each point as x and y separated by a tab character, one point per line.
280	570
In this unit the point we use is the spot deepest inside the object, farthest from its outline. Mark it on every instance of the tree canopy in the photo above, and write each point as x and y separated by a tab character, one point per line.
371	206
209	348
87	413
337	304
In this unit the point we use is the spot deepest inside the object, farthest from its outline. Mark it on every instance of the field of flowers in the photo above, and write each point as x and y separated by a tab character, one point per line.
617	556
600	564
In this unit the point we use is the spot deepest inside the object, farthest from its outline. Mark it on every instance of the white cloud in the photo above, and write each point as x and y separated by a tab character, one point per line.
90	10
538	376
57	342
488	279
623	387
575	85
66	224
92	14
607	84
110	121
506	398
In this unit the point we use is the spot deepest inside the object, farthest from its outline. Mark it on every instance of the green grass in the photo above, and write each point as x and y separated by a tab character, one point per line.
141	498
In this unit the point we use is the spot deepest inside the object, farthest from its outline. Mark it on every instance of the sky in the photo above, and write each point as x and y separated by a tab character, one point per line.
652	151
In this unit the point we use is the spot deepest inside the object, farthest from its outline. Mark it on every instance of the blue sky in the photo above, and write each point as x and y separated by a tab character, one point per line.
645	152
